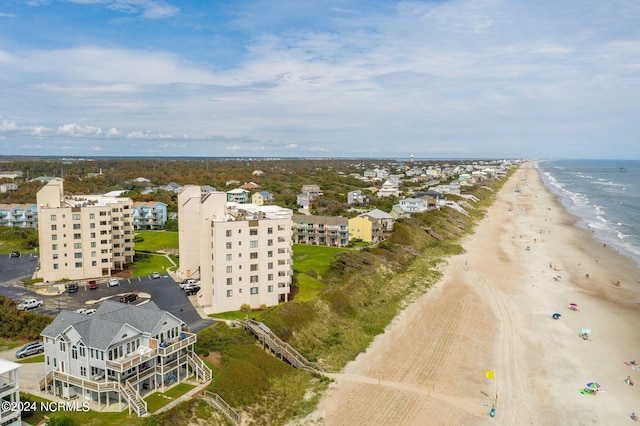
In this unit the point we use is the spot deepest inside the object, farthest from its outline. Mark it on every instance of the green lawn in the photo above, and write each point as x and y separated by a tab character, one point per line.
316	258
309	288
146	263
157	400
32	360
80	417
156	240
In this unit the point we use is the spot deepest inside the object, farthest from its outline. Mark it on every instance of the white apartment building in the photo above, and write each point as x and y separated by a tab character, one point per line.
10	392
84	236
241	252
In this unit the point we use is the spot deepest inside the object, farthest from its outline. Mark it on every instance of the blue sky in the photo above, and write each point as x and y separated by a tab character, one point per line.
344	78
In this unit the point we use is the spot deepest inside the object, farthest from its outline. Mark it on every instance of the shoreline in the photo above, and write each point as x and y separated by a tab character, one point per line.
491	310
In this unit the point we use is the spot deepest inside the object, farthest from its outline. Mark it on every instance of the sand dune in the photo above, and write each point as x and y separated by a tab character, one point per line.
492	311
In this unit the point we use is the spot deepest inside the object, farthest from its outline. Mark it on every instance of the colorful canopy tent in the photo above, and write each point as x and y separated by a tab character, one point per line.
556	316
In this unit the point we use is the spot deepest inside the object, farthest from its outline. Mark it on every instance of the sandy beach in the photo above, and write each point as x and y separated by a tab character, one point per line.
492	310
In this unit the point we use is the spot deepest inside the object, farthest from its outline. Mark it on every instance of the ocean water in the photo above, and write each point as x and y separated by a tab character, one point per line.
604	194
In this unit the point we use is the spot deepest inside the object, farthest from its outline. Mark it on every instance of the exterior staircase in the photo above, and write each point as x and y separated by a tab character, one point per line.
221	405
278	347
202	371
135	401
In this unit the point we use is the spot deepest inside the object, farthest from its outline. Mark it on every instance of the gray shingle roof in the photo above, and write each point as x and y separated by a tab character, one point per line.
100	329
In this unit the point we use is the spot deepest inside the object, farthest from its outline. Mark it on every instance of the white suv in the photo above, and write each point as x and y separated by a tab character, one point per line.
189	282
113	282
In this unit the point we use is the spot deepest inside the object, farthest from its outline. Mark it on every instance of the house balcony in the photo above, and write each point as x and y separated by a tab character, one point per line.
144	354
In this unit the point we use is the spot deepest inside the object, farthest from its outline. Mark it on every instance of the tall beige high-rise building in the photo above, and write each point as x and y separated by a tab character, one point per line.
83	236
240	252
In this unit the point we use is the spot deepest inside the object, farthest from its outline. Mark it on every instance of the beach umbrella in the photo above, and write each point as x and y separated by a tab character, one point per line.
585	331
556	315
573	304
593	386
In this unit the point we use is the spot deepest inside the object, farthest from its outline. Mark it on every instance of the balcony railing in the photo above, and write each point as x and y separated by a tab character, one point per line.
137	358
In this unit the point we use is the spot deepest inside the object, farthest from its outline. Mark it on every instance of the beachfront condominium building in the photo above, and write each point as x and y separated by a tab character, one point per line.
83	236
9	393
118	355
20	215
149	215
240	252
332	231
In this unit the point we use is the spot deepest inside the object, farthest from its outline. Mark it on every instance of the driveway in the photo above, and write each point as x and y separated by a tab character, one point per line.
164	292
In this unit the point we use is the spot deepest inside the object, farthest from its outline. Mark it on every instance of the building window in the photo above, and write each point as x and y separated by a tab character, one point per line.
74	352
77	245
270	265
270	277
78	264
55	266
63	347
254	267
92	225
253	290
54	247
94	263
269	242
54	237
253	255
229	293
229	269
229	257
229	281
270	253
92	215
270	289
54	227
77	255
253	278
228	232
228	246
253	232
75	216
77	236
83	371
55	256
253	243
269	230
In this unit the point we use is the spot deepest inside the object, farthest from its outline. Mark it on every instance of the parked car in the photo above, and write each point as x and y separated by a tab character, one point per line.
155	275
72	287
129	297
30	349
15	253
30	304
90	312
113	282
185	283
92	284
191	289
81	311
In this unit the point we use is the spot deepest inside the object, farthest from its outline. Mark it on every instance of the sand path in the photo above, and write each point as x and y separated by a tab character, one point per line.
492	311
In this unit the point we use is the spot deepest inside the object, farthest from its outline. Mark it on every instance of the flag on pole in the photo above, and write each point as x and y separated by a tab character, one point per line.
490	374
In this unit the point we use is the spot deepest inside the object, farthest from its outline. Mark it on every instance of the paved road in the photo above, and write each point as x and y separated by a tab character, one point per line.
164	291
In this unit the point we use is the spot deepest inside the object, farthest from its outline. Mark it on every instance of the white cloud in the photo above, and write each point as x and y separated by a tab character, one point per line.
148	8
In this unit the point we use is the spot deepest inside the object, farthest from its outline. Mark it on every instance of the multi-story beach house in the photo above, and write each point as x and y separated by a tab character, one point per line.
241	252
238	195
20	215
262	198
9	392
357	197
118	355
330	231
5	187
149	215
371	226
82	236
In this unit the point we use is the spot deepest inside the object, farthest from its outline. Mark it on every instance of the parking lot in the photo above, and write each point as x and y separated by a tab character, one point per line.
164	292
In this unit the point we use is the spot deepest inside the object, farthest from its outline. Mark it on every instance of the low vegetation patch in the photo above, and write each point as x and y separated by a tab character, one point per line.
20	325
